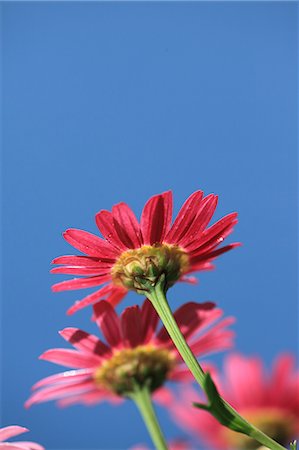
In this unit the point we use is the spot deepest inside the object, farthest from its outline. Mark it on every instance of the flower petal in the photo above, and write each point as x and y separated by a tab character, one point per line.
85	342
80	283
190	317
156	218
185	217
70	358
149	320
90	299
105	223
131	326
11	431
81	261
69	376
23	445
58	391
126	225
203	217
90	244
79	270
108	322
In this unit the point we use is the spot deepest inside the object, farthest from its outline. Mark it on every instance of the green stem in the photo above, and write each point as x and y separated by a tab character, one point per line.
159	301
142	399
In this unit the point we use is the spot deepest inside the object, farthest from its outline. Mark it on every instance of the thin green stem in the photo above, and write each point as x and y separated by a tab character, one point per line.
142	399
158	298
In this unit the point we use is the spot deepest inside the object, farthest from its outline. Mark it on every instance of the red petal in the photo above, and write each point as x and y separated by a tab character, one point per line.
90	299
75	270
70	358
213	254
203	217
108	322
58	391
85	342
185	217
81	283
149	320
131	326
82	261
90	244
126	225
105	223
190	317
156	218
70	376
117	294
11	431
214	235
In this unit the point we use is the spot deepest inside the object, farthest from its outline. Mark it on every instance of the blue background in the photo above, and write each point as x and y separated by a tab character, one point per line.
106	102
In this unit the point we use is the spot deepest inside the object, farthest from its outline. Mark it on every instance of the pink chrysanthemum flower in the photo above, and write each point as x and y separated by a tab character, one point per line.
131	251
135	353
15	430
269	401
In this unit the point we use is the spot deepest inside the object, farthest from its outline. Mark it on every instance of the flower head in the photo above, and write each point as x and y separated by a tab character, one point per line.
15	430
135	354
268	401
133	252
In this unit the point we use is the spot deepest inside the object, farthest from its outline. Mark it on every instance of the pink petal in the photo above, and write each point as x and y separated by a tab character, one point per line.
105	223
59	391
85	342
184	218
116	295
216	339
75	270
163	396
156	218
11	431
90	244
70	376
190	317
214	235
127	226
131	326
24	445
90	299
213	254
70	358
203	217
81	283
82	261
11	446
108	322
149	320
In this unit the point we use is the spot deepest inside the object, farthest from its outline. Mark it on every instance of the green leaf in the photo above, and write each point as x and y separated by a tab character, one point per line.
293	445
223	412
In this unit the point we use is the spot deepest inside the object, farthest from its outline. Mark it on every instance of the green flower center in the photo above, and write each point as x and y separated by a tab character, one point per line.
277	424
129	369
147	263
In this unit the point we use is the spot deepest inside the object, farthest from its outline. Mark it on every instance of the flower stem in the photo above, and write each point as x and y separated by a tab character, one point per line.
142	399
159	301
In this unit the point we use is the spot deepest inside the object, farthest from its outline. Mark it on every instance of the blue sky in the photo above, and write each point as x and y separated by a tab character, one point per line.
108	102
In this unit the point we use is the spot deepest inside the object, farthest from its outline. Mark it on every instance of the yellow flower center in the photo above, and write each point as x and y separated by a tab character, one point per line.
129	369
147	263
278	424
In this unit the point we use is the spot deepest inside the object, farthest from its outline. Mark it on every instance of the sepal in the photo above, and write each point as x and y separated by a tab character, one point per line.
223	412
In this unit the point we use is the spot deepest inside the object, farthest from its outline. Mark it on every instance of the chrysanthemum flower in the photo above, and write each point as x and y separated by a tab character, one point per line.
177	444
131	252
15	430
270	401
135	354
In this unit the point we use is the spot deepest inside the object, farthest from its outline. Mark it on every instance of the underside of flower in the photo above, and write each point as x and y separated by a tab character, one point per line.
147	263
274	423
129	369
